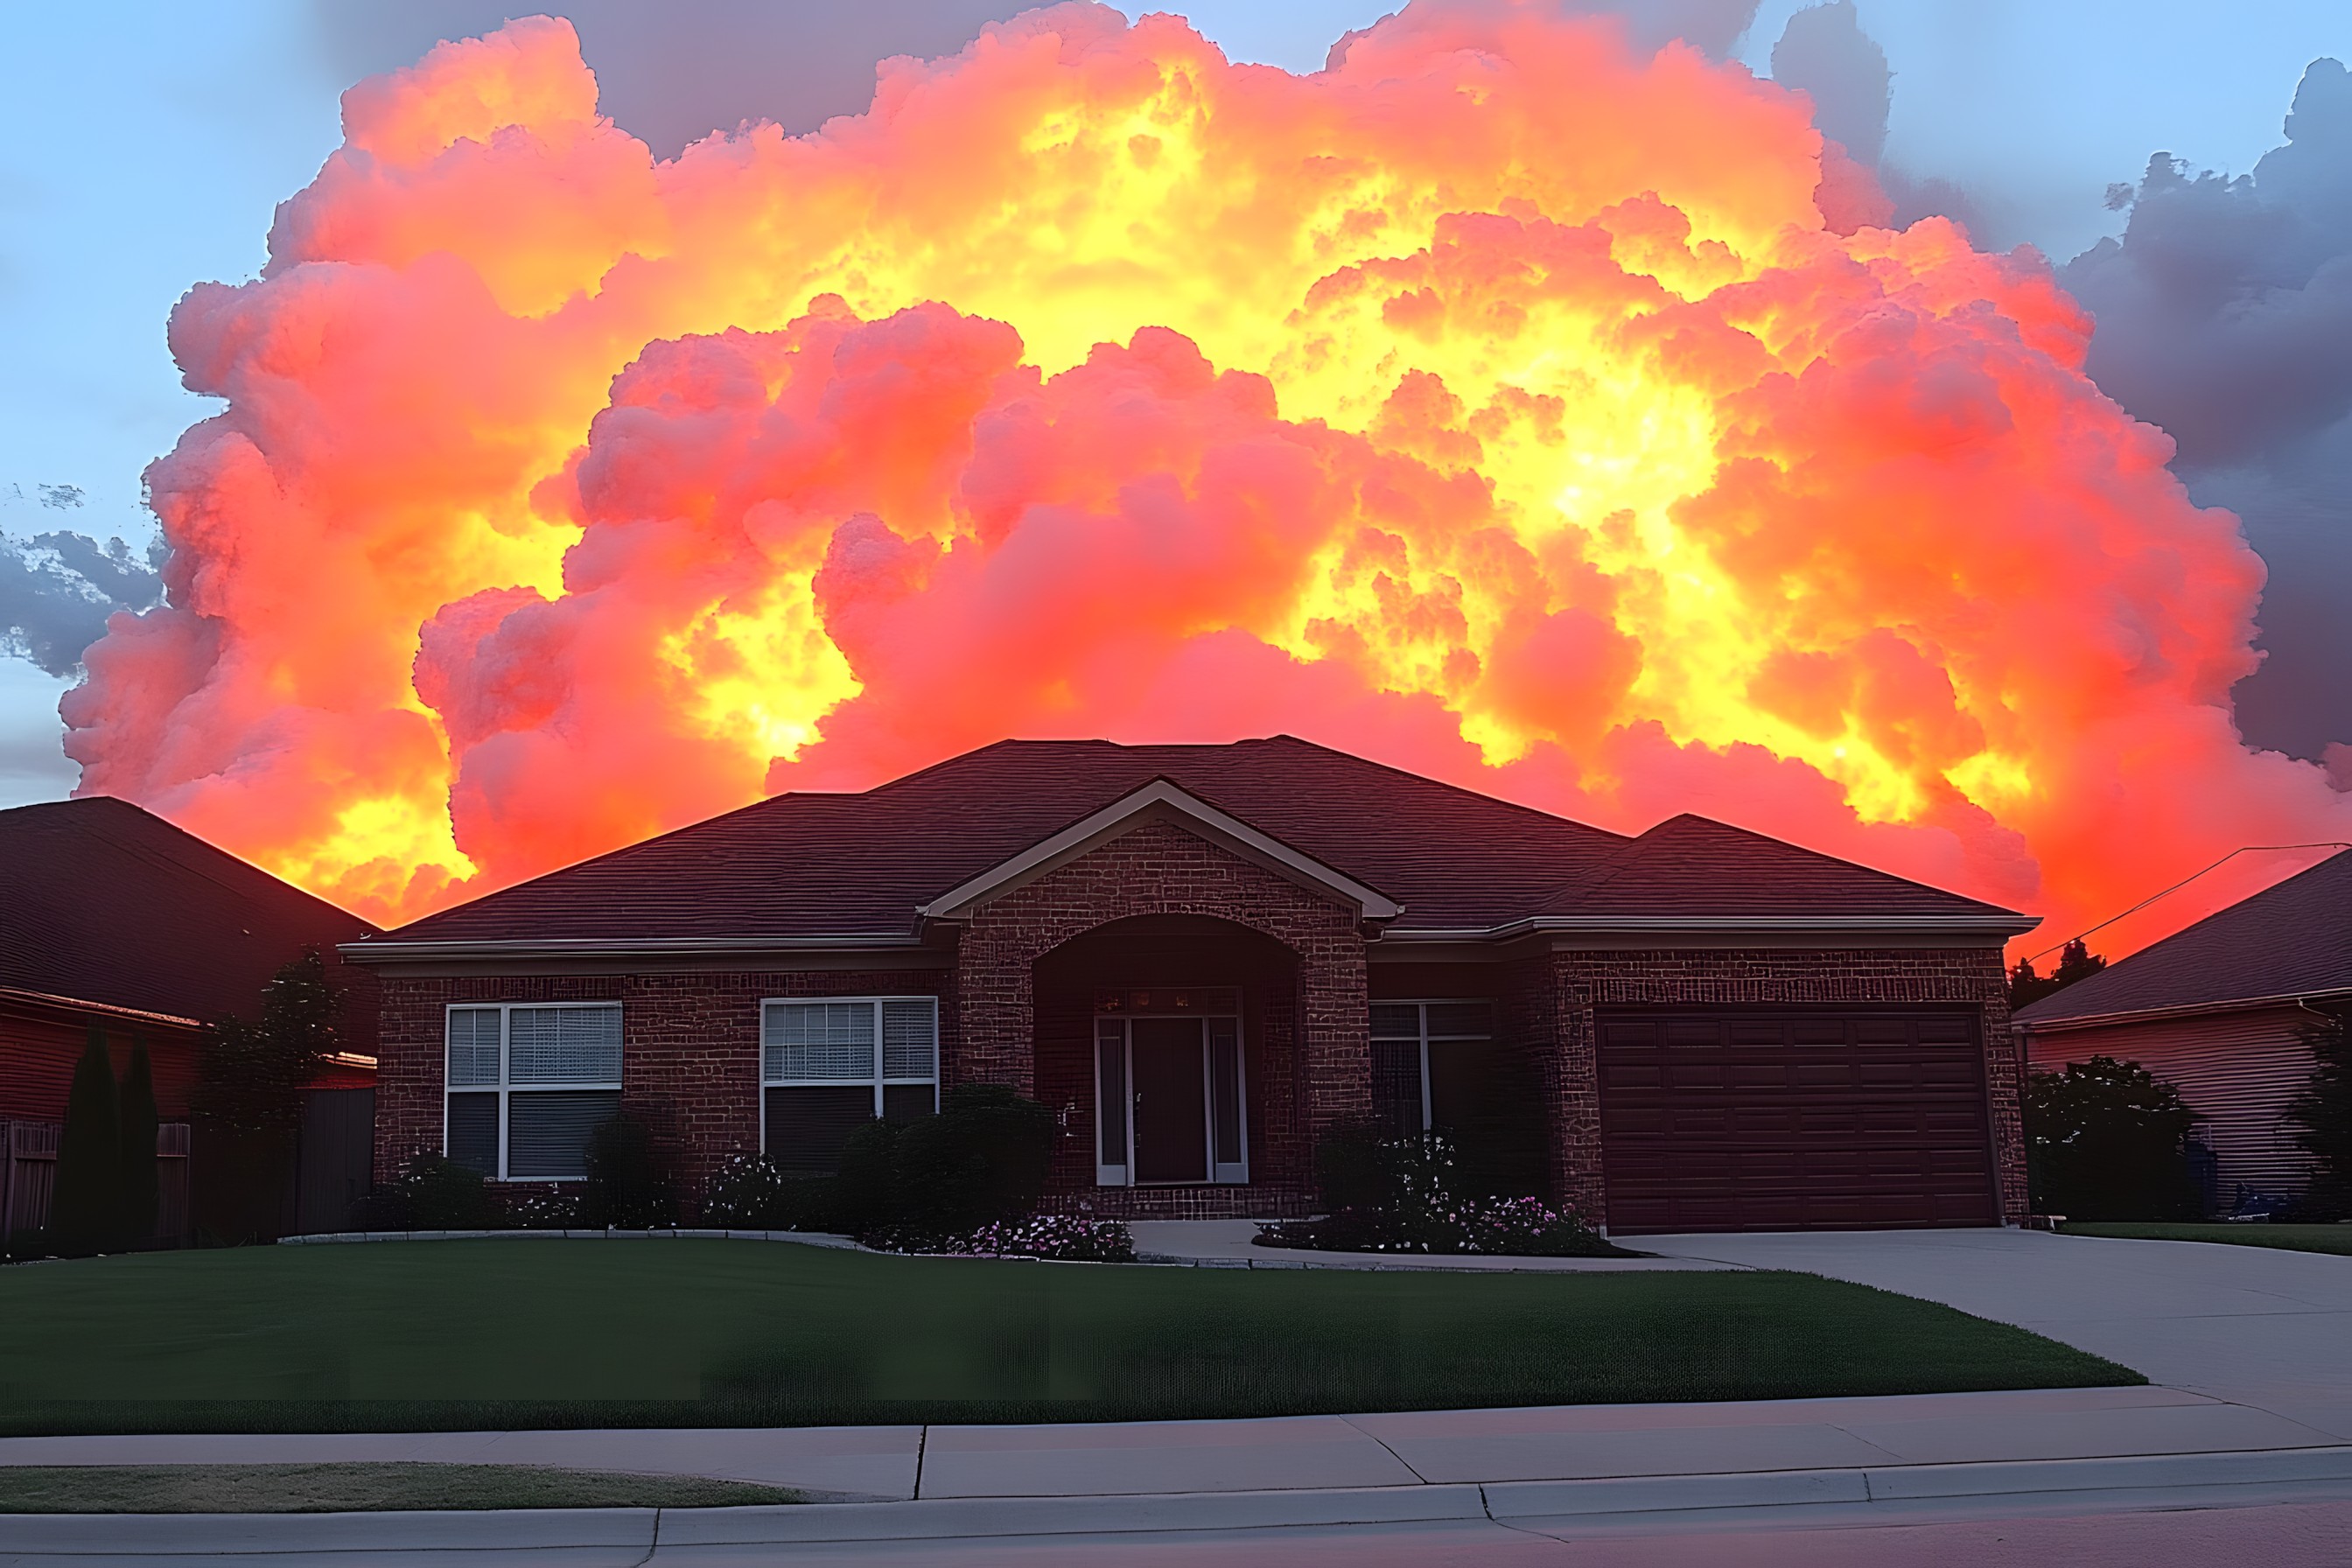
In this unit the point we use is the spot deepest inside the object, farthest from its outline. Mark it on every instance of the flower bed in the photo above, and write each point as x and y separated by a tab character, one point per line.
1061	1237
1399	1196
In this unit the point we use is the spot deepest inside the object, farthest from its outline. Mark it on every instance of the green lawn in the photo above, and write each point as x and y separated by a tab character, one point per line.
2335	1238
499	1334
353	1488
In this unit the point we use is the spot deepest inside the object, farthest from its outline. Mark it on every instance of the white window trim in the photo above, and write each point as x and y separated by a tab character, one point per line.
879	1080
505	1087
1220	1173
1422	1006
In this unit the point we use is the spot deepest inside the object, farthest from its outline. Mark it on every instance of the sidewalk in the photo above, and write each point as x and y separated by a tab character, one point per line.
1314	1453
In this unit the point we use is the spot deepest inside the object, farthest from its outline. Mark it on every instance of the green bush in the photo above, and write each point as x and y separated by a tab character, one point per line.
1407	1194
983	1159
2107	1139
141	1185
2322	1118
627	1186
86	1204
432	1194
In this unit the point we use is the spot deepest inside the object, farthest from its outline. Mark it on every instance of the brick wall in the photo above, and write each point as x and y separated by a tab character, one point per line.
1159	869
689	1050
1584	981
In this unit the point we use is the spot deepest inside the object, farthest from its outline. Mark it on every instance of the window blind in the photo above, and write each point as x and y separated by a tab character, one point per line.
474	1047
563	1045
818	1040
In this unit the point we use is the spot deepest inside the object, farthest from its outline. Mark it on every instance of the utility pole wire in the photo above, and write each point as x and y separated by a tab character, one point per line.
2241	849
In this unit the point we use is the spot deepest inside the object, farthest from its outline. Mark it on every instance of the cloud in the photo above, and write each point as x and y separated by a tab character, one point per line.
2224	315
673	72
57	590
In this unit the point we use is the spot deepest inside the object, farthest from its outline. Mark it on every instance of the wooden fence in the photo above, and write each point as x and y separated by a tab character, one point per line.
28	1177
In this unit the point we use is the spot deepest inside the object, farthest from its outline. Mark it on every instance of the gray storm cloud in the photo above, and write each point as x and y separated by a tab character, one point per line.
2225	315
57	589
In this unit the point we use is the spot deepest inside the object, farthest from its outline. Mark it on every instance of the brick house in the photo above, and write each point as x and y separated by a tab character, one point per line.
1203	958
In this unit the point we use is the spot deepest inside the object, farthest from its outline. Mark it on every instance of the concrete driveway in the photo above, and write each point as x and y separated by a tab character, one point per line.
2253	1325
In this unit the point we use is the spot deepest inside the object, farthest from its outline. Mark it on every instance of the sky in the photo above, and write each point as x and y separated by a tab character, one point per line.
143	147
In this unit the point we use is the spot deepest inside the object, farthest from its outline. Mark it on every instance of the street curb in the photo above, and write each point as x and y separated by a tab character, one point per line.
2168	1480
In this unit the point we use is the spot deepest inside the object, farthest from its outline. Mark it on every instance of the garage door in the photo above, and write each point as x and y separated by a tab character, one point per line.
1757	1119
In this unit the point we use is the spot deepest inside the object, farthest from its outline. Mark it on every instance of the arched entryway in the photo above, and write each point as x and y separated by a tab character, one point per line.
1168	1046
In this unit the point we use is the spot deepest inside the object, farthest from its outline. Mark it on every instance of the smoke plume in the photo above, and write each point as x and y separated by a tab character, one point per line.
1497	402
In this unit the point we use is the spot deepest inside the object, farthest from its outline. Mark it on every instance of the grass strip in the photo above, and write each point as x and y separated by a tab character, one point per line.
354	1489
2331	1238
501	1335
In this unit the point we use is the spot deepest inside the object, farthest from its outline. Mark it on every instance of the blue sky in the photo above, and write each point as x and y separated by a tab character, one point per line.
143	145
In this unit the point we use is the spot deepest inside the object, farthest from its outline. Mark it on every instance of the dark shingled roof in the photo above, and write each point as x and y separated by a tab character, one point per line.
104	902
2294	939
845	864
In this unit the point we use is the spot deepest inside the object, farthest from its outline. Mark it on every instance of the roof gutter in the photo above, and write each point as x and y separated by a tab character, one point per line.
2302	999
1648	925
9	993
381	951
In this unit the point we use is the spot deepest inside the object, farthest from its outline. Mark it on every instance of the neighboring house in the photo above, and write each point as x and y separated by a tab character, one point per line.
111	916
2217	1010
1203	958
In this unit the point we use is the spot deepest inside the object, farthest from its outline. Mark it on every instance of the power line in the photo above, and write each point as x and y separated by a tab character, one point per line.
2241	849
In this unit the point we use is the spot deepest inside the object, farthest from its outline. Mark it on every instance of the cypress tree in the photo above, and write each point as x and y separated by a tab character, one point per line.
141	1187
86	1204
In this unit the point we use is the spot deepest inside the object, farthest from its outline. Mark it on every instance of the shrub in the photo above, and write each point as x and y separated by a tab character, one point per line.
984	1158
86	1204
2106	1139
627	1186
431	1194
863	1189
1403	1195
141	1185
2322	1118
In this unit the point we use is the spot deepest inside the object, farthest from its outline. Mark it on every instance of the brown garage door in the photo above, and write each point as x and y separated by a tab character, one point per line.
1759	1120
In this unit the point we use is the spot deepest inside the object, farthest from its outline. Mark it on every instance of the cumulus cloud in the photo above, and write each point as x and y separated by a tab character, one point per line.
2224	315
673	72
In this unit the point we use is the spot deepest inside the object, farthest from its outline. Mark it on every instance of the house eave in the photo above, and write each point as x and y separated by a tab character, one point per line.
849	944
2181	1010
1843	928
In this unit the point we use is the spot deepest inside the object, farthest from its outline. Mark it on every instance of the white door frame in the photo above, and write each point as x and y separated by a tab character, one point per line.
1220	1173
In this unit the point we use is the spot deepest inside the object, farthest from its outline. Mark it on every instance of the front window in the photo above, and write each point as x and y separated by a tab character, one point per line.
1433	1063
827	1068
528	1084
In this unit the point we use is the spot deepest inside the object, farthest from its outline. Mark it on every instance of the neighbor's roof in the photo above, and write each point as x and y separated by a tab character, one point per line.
101	901
2293	939
814	865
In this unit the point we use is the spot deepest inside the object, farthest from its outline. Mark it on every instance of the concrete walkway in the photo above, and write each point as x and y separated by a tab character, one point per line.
2257	1326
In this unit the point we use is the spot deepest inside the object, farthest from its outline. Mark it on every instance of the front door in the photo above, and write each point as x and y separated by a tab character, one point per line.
1171	1100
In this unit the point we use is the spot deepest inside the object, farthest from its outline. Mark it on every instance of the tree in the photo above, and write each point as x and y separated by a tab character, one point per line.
141	1190
86	1204
2108	1140
2322	1113
248	1101
2076	962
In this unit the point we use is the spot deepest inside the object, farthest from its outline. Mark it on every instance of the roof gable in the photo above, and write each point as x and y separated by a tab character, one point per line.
2294	939
1160	801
